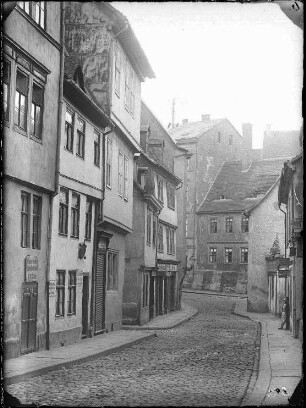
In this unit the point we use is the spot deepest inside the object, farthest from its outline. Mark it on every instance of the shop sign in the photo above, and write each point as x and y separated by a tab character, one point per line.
31	268
52	288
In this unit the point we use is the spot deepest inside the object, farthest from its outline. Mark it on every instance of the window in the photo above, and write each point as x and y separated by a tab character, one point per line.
25	219
230	140
96	148
160	237
188	164
160	192
171	196
213	225
229	224
117	68
69	130
6	89
120	173
228	255
35	9
36	222
60	293
125	178
21	94
71	293
63	212
132	96
75	215
244	255
145	290
170	240
109	154
80	138
88	220
37	110
149	223
219	137
154	235
112	270
244	224
212	255
127	86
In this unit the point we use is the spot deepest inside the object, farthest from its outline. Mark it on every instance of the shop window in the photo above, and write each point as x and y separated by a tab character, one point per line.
71	293
60	294
112	270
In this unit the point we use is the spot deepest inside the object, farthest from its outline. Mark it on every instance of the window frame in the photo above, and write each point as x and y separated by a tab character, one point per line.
228	252
88	219
26	100
170	241
37	135
160	239
32	5
25	215
60	288
36	243
127	86
112	270
229	225
97	152
244	224
149	226
244	255
7	80
125	177
71	127
154	231
71	300
117	76
80	145
145	290
120	173
160	189
171	196
75	216
63	209
212	255
214	225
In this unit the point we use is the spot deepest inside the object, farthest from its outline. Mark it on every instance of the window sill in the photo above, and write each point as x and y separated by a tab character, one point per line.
80	157
108	186
97	165
88	239
59	316
67	150
36	139
149	244
71	314
126	200
74	237
19	130
117	94
63	235
113	291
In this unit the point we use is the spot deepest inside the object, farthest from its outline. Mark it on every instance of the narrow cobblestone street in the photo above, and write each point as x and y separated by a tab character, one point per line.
206	361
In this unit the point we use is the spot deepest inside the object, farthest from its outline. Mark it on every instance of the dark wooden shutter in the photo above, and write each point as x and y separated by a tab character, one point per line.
100	291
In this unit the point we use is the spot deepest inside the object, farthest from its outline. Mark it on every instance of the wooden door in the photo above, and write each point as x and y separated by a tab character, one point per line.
85	295
100	291
29	317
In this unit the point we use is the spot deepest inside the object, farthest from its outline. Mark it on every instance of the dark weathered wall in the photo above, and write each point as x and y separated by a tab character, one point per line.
87	36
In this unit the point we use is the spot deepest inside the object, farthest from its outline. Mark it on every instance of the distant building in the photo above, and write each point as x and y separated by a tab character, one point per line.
211	142
31	82
280	144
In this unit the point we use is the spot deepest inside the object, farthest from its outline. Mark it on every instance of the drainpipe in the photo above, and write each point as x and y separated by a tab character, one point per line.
57	164
285	230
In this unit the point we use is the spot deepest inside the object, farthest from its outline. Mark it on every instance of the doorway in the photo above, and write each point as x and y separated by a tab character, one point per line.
29	317
85	297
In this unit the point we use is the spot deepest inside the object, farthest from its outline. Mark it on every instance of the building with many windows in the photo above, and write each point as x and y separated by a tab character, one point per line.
113	65
31	83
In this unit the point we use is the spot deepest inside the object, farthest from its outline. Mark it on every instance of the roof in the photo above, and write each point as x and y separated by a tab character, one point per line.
193	129
238	187
281	144
129	40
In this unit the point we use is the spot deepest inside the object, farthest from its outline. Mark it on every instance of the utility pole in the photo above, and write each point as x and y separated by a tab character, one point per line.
173	113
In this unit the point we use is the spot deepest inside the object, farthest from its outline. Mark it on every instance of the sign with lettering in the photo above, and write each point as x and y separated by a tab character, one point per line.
31	268
52	288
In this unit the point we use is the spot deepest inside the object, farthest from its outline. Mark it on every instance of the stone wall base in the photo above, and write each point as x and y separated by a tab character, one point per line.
65	337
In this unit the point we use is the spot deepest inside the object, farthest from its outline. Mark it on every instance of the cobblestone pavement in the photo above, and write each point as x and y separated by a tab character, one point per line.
206	361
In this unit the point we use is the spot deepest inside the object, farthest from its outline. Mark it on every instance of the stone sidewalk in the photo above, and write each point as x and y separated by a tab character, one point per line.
41	362
280	364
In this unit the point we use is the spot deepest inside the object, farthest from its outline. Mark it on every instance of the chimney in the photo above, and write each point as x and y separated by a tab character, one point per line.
206	117
246	145
185	121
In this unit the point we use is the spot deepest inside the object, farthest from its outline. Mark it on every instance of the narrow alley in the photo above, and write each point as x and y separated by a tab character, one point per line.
206	361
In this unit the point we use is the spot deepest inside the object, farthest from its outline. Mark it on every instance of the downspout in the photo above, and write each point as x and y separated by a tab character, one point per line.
285	229
57	164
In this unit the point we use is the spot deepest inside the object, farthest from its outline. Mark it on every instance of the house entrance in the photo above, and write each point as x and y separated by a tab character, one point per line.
85	296
29	317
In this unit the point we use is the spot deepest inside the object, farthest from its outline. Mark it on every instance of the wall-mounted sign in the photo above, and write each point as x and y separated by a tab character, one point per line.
52	288
31	268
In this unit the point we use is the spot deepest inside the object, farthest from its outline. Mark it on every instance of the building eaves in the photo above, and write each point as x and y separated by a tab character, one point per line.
165	170
250	209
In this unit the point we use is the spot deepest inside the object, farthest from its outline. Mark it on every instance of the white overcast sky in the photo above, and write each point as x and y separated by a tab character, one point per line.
239	61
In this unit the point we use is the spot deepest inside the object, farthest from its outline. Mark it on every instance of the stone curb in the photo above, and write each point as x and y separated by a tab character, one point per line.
68	364
170	326
199	292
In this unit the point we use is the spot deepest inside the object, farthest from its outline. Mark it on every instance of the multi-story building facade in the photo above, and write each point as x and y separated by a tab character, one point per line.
152	277
114	65
76	210
31	85
211	143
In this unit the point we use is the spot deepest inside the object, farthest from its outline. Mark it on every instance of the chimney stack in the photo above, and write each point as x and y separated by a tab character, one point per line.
185	121
246	145
206	117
